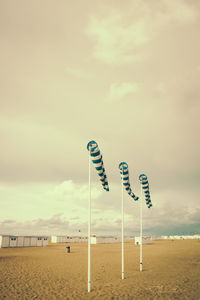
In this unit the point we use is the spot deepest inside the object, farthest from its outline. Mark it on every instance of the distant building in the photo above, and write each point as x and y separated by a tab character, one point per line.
104	240
9	241
80	239
68	239
191	237
93	239
180	237
156	238
145	240
129	238
164	237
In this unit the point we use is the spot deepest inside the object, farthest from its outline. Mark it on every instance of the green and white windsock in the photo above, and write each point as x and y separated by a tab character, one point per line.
123	166
97	160
145	186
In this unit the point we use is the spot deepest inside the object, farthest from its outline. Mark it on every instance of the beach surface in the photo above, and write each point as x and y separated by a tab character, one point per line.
171	270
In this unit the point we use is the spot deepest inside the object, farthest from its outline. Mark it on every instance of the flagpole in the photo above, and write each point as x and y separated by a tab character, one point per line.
141	229
89	225
122	231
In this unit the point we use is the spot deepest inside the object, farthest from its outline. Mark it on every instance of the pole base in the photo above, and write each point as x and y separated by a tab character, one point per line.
141	267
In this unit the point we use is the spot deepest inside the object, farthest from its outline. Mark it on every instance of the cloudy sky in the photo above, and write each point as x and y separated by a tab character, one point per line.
123	73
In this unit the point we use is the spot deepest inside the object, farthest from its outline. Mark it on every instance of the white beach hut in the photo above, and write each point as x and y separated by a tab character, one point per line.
93	239
60	239
53	239
10	241
164	237
20	241
108	240
27	241
156	238
68	239
145	240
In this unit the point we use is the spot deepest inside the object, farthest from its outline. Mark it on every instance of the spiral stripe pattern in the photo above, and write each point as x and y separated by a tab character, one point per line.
123	166
145	186
97	160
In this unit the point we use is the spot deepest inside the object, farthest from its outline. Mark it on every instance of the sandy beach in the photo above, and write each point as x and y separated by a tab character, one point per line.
171	271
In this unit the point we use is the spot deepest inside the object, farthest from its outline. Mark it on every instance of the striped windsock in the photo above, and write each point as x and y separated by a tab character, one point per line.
97	160
125	178
145	185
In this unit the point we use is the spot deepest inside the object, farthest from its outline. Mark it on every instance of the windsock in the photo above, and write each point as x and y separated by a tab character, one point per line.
97	160
125	179
145	185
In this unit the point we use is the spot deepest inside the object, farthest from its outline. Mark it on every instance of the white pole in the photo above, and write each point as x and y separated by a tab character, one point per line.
141	199
122	231
89	227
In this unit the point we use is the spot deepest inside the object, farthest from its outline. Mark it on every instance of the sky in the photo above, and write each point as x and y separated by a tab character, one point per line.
123	73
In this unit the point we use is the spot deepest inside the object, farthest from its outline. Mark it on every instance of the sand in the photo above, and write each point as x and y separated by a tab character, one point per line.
171	271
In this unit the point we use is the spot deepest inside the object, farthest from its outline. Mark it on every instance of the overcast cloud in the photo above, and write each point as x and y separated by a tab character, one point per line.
125	74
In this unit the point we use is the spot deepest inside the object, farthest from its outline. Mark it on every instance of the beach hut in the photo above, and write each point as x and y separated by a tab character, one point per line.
93	239
145	240
33	241
60	239
156	238
129	238
20	241
164	237
13	241
68	239
53	239
10	241
39	241
5	241
27	241
104	239
108	240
